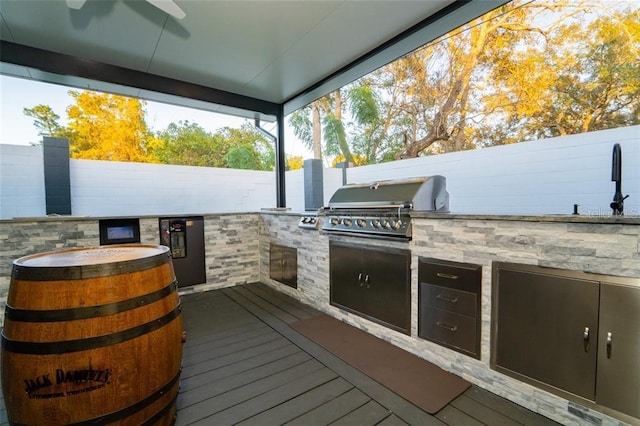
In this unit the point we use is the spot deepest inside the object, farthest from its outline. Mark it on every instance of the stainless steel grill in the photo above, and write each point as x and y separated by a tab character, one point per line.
383	209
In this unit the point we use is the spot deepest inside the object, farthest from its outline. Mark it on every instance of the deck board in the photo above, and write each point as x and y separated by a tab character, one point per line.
301	404
332	410
481	412
520	414
243	364
369	414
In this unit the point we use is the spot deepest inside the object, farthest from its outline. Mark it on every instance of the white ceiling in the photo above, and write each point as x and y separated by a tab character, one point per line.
268	50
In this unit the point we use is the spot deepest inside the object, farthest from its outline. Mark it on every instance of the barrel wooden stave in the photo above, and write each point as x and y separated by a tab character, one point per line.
122	382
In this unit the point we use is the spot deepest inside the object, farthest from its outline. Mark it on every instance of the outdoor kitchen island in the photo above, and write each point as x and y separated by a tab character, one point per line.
237	252
602	246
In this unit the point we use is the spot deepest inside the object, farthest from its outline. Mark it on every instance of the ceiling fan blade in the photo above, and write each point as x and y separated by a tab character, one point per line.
168	6
75	4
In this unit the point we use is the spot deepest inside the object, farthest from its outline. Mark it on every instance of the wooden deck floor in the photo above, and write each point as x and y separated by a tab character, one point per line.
244	365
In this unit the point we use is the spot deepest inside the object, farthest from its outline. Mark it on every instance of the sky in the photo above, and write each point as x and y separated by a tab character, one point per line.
17	129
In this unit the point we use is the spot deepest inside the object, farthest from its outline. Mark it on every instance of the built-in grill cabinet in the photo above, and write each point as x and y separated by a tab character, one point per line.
571	333
283	264
372	282
449	307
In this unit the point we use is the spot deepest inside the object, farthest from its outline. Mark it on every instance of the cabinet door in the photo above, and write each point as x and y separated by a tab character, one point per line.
290	266
618	384
546	328
346	276
387	293
275	262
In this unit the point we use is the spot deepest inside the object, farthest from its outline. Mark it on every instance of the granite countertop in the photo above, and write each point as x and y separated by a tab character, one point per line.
566	218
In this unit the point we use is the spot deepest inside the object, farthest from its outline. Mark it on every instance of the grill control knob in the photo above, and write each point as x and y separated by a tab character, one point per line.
396	224
347	222
386	224
361	223
335	221
375	223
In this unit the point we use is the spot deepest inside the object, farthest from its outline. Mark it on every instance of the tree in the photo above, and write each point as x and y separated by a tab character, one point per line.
578	78
327	124
108	127
248	149
523	71
186	143
295	162
45	120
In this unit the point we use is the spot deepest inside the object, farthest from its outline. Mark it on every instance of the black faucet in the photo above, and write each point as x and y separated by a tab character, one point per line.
616	176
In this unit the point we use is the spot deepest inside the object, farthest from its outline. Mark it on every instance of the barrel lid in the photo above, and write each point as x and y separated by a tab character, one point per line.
83	262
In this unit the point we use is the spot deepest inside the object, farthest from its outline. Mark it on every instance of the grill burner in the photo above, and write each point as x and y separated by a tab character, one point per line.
382	209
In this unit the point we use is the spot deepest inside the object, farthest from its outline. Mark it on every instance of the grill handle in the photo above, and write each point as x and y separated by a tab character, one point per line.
403	205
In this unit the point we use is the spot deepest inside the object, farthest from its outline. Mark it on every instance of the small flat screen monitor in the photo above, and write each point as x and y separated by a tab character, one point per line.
119	231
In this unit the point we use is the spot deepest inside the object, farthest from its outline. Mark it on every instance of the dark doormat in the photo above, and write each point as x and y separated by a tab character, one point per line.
416	380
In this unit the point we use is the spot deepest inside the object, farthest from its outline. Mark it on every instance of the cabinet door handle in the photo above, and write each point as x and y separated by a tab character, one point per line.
447	299
367	281
609	344
360	279
445	275
585	339
447	326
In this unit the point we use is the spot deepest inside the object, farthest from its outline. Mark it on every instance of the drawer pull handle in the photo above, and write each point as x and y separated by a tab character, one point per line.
445	275
446	299
447	326
585	338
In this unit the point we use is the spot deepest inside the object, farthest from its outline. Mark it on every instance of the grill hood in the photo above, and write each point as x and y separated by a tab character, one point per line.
426	193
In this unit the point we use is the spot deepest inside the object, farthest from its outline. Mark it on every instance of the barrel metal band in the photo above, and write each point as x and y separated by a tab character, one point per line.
160	414
132	409
85	312
67	273
62	347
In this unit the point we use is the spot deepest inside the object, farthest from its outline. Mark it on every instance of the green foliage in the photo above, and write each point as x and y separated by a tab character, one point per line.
364	107
335	137
302	126
187	143
45	120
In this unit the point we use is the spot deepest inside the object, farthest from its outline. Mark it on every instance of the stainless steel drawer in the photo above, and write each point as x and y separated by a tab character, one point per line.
461	276
448	329
448	299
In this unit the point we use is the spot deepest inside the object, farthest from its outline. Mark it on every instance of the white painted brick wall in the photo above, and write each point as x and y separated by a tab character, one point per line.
540	177
103	188
21	181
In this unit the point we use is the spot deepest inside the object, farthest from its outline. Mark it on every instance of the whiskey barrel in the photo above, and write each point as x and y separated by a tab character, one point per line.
92	335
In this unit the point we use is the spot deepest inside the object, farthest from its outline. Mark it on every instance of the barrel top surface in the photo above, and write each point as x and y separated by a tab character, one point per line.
90	256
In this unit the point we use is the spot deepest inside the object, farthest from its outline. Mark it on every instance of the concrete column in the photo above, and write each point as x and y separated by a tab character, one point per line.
313	184
57	183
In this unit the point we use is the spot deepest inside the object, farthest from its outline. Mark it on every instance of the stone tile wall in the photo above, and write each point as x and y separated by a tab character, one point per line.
26	237
231	251
231	245
611	249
